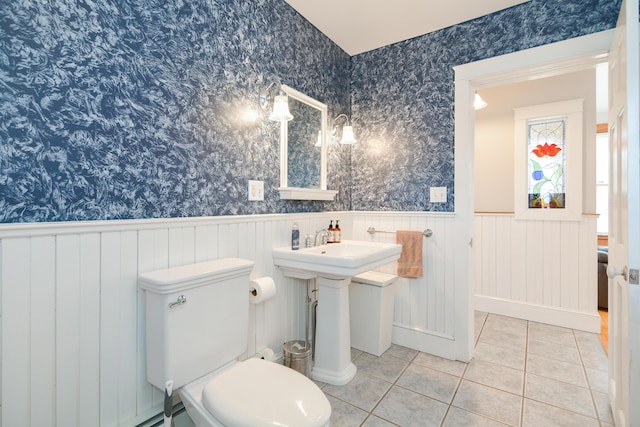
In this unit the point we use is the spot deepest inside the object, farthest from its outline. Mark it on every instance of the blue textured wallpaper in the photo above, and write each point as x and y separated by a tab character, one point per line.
403	97
144	108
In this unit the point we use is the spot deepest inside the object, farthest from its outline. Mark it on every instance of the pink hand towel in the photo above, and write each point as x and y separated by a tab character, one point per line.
410	262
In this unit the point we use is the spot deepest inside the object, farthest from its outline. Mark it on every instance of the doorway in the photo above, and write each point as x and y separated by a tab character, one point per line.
543	268
544	61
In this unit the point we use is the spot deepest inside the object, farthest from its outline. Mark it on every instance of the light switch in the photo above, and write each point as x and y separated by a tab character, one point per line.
438	194
256	190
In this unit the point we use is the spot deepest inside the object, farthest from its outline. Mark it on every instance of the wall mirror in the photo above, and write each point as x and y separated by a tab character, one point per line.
303	149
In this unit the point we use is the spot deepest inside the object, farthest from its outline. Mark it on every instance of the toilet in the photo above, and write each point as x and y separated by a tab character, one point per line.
197	325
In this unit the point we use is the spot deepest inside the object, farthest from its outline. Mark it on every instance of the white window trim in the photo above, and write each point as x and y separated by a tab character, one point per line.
573	111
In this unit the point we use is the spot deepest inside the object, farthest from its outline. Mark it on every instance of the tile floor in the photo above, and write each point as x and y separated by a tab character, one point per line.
523	374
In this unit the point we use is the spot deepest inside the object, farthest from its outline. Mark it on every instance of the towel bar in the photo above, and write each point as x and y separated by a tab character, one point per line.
371	230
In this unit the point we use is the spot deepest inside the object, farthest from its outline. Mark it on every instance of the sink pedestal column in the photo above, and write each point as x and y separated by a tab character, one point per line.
333	338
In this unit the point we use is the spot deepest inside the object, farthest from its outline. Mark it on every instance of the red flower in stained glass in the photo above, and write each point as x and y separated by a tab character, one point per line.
546	150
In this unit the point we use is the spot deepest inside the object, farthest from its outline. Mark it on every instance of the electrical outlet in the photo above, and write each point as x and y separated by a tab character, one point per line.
256	190
438	194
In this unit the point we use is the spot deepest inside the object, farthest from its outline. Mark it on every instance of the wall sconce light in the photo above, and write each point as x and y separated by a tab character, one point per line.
347	130
479	103
280	102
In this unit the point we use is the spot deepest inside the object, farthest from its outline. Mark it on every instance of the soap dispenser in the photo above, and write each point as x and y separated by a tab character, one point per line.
337	233
330	236
295	237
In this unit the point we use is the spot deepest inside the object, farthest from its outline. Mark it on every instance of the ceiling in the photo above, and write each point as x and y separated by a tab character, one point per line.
361	25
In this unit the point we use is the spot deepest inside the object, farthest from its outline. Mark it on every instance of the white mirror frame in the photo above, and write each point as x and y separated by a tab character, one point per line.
295	193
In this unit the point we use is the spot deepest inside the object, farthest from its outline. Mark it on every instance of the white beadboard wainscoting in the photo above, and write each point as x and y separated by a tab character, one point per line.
72	319
424	315
544	271
73	349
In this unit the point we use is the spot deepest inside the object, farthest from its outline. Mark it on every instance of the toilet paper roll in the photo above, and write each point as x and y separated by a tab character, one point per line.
262	289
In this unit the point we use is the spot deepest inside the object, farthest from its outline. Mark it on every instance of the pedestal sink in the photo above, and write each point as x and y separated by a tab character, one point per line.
334	265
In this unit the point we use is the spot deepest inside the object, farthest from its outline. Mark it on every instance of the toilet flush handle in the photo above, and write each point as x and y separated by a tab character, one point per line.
181	300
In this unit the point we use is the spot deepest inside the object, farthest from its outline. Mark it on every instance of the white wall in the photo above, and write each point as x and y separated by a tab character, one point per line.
72	318
494	136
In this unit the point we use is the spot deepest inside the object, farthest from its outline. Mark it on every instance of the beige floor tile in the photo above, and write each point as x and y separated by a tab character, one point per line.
355	353
408	409
557	370
363	391
598	380
506	356
563	353
385	367
345	415
559	394
595	359
553	334
479	320
504	337
537	414
489	402
401	352
457	417
497	376
506	323
374	421
603	407
453	367
429	382
588	340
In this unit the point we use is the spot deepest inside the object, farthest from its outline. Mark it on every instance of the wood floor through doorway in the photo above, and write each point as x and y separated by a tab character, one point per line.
604	329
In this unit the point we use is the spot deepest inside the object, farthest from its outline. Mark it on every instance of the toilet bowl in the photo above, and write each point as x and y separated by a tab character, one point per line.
196	329
255	393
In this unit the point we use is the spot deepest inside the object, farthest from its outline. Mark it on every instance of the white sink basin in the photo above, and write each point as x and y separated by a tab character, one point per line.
336	260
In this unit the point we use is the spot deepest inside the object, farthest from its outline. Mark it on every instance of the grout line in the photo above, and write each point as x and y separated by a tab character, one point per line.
524	376
586	377
455	392
393	384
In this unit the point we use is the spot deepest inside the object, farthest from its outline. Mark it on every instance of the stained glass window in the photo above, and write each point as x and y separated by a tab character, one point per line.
547	163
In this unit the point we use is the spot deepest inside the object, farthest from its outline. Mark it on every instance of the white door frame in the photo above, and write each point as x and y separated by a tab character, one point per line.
544	61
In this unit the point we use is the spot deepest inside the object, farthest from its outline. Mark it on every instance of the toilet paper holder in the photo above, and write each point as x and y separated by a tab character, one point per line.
261	289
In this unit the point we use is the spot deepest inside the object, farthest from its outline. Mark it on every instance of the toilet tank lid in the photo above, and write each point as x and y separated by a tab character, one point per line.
169	280
375	278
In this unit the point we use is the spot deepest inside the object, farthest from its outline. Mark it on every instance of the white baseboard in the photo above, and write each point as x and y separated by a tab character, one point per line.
425	341
589	322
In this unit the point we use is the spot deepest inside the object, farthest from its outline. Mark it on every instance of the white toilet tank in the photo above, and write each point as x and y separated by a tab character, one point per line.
196	318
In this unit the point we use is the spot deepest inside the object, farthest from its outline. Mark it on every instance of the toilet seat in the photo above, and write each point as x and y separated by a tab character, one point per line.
259	393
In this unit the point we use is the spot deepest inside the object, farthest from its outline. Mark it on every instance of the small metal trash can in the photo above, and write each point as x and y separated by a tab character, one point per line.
297	355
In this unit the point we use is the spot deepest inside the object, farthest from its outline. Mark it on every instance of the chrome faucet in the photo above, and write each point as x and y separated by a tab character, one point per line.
324	237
